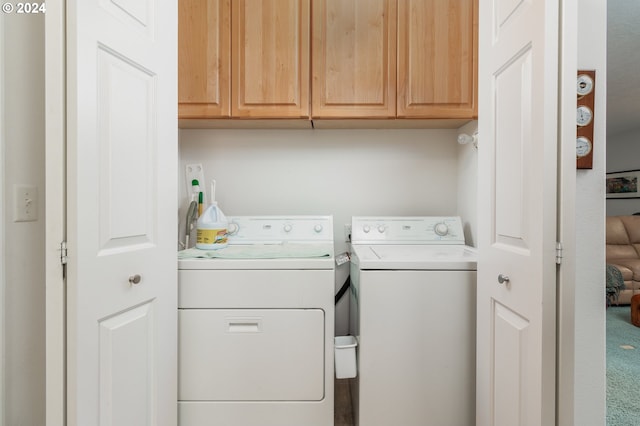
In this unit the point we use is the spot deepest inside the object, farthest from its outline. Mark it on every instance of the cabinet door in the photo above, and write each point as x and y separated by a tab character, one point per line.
270	58
204	53
354	58
437	58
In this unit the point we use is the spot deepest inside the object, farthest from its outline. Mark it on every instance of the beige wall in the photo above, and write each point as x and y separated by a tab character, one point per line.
623	153
23	87
590	395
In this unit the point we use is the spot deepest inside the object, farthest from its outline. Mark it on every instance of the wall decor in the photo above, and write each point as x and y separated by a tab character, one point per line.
625	184
585	90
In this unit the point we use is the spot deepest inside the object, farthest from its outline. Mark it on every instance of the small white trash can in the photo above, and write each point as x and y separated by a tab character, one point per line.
345	357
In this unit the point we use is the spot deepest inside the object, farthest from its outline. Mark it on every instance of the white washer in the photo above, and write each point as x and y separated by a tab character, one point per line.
256	327
413	305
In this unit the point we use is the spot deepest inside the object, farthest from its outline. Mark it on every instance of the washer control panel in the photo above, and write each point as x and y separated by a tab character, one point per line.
280	229
407	230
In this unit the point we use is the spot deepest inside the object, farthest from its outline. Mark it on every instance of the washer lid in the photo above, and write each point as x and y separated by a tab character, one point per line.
415	257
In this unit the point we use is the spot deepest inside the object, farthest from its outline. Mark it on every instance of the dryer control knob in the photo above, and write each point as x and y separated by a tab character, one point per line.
441	229
287	228
318	228
381	229
366	229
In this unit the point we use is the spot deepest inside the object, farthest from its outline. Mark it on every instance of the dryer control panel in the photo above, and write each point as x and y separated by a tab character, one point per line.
407	230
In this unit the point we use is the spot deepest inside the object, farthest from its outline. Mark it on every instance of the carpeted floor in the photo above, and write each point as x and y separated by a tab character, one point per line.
623	368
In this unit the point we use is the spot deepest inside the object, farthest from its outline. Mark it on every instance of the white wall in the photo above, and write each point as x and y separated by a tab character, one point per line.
467	165
344	173
589	407
23	87
623	153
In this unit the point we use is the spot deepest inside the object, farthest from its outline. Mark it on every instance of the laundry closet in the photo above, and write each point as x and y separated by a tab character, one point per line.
329	108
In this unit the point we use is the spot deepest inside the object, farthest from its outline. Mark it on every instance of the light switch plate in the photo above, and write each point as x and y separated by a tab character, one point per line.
25	202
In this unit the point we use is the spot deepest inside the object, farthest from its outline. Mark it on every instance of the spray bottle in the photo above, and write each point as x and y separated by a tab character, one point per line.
212	226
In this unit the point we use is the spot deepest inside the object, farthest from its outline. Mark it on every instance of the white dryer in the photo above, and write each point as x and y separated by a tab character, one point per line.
256	325
413	304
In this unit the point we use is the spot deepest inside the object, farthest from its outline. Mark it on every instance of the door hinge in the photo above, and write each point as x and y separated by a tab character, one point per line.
63	253
558	253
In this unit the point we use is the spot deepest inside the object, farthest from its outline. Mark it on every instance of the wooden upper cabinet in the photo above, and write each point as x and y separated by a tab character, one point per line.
204	53
371	59
354	58
270	58
437	58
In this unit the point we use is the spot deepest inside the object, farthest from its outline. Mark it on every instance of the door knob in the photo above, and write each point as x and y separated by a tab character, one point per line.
134	279
503	279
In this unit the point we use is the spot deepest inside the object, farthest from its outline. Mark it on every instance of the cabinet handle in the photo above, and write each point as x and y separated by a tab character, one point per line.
134	279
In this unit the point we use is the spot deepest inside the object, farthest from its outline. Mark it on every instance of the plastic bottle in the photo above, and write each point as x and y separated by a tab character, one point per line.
212	229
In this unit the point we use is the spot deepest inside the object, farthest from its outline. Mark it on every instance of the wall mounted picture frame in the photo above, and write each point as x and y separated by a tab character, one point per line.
625	184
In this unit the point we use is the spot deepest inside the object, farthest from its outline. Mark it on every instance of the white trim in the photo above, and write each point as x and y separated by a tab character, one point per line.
2	223
565	382
55	131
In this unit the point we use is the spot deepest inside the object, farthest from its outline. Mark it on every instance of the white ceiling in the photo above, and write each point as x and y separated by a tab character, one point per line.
623	65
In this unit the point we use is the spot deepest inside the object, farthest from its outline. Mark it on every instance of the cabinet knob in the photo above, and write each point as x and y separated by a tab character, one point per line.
503	278
134	279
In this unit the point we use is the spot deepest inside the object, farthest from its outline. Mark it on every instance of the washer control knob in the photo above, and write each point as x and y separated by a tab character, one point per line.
287	228
381	229
366	229
441	229
318	228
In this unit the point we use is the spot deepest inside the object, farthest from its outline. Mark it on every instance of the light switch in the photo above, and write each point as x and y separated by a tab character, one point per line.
25	202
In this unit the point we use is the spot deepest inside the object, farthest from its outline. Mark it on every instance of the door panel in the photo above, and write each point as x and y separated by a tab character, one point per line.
121	203
517	212
135	13
512	95
127	367
125	100
509	334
